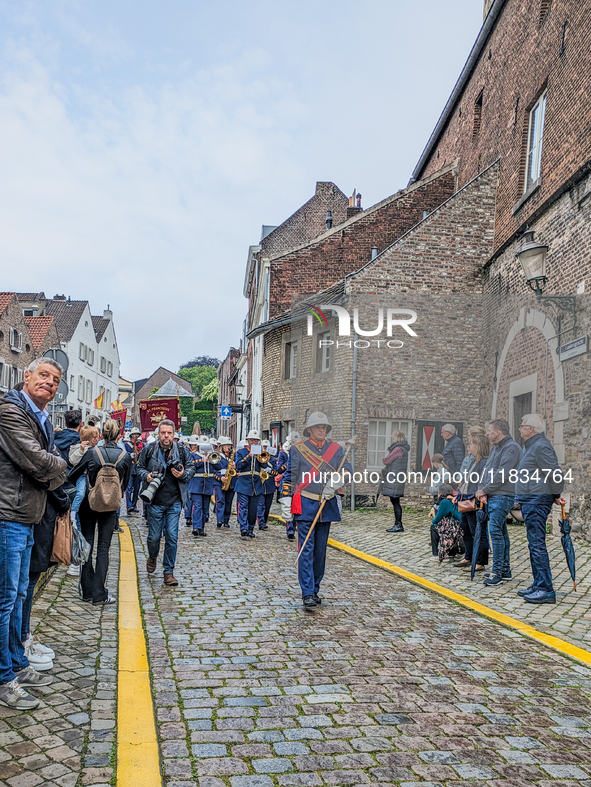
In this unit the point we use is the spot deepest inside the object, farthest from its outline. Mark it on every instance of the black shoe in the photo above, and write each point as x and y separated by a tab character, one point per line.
317	598
189	522
220	525
263	527
251	535
244	533
117	529
226	524
291	536
493	579
507	576
525	591
201	533
308	601
396	528
196	533
540	597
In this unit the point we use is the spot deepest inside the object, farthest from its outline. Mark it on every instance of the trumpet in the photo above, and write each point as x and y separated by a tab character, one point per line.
214	458
263	457
230	472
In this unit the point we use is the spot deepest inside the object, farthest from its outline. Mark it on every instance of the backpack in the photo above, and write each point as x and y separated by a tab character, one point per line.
106	493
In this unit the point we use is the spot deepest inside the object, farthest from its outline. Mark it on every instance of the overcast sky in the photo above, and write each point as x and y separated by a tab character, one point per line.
143	144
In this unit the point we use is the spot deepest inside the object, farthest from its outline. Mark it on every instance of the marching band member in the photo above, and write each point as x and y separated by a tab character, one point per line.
224	497
201	486
266	498
281	466
192	445
249	486
304	488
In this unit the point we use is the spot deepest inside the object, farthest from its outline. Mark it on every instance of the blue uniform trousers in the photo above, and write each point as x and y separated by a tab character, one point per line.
199	510
133	490
264	508
188	508
228	500
246	508
535	510
313	558
220	504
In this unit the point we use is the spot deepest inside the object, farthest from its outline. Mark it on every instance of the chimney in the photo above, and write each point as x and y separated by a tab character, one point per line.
59	297
107	313
374	252
328	219
354	204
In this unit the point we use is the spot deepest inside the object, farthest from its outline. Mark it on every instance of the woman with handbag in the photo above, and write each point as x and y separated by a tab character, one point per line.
103	520
479	447
446	523
394	477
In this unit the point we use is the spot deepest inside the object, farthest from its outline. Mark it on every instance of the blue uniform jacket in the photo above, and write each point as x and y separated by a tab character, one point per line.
218	478
294	475
202	481
248	479
281	465
269	484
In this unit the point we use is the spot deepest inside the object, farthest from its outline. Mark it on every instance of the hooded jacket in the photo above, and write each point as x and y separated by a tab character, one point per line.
63	442
29	461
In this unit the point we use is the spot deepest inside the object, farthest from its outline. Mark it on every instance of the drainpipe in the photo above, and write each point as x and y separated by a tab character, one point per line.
353	409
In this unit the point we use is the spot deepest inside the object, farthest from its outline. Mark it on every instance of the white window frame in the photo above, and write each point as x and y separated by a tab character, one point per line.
293	360
109	369
90	357
324	351
377	444
72	383
81	387
103	364
82	351
89	392
15	340
535	138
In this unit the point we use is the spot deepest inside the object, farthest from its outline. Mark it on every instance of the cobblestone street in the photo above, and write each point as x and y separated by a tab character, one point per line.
384	683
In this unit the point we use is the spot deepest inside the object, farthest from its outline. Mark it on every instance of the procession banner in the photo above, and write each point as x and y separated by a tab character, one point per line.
121	417
152	411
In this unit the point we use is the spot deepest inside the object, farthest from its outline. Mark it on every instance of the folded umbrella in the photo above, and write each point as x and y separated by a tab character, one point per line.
567	545
481	520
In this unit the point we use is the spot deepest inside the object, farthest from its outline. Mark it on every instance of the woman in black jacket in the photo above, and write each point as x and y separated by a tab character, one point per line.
394	477
92	578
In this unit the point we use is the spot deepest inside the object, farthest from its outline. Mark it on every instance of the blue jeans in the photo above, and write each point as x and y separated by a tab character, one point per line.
28	604
498	508
535	510
133	490
81	485
313	558
164	520
16	542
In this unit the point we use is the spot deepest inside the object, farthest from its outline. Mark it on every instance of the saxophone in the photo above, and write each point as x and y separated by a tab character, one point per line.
230	472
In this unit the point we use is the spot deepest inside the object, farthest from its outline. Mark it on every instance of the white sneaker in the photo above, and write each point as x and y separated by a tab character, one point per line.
39	661
31	641
73	571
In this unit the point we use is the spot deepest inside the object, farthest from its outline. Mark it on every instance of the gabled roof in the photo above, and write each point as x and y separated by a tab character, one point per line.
5	298
38	327
100	326
170	388
31	296
67	316
334	294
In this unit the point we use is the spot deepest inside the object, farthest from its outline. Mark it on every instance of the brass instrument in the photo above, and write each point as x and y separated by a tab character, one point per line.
230	472
214	458
263	458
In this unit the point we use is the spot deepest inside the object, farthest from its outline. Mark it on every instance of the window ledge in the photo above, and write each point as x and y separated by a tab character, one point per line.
531	190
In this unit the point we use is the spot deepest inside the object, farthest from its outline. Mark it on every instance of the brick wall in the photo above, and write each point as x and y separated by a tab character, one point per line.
524	54
345	249
12	317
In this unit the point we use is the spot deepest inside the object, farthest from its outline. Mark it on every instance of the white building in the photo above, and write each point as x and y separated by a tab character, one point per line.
91	346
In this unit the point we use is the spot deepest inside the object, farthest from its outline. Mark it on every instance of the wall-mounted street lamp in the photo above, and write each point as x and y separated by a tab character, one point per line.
532	257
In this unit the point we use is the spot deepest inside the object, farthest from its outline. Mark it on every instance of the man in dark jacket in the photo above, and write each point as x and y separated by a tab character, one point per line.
454	450
29	466
498	491
69	436
172	463
539	485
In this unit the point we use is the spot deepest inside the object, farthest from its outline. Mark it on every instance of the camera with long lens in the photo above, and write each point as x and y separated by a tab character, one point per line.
148	494
178	466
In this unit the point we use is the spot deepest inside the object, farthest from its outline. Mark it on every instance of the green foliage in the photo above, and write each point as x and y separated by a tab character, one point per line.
210	391
198	376
201	360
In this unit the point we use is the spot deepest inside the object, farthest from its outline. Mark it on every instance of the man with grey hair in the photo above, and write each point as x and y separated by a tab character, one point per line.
30	465
454	450
539	485
172	465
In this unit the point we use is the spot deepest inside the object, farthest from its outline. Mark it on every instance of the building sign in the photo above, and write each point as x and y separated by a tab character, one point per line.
574	348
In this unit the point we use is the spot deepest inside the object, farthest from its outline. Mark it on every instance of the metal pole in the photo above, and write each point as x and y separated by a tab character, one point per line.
353	411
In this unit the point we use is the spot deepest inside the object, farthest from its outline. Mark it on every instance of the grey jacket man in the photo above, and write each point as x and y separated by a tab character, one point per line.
30	464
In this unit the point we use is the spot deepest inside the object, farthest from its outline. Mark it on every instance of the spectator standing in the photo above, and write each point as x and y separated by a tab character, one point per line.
99	523
539	485
394	476
454	450
498	492
175	465
66	438
30	465
134	448
479	448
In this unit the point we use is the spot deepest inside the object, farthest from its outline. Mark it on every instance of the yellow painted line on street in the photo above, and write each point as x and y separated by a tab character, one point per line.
138	760
561	645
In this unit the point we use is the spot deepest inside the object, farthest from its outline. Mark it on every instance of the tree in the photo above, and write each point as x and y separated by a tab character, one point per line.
198	376
201	360
209	392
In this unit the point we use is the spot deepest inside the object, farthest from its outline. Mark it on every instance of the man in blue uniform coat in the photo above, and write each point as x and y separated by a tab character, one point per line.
249	486
281	466
223	497
306	483
201	486
266	498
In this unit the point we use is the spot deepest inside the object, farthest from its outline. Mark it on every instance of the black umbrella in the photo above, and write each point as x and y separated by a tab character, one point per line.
567	545
481	520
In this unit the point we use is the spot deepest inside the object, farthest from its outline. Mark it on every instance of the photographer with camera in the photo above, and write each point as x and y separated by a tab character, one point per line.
167	468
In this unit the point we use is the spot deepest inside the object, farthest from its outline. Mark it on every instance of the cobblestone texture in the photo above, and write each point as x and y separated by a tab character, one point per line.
384	683
69	740
569	618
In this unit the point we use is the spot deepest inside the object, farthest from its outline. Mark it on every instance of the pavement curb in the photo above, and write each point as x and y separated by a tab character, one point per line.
138	759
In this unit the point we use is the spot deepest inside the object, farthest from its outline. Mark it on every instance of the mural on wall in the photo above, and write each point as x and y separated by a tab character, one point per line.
430	441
